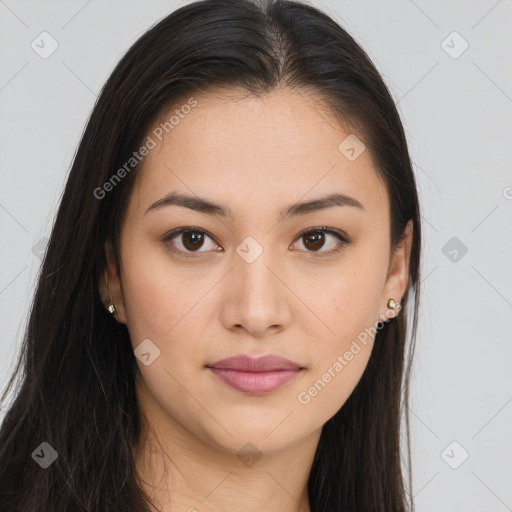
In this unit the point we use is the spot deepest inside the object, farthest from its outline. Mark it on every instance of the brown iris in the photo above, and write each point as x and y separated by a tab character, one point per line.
317	238
192	240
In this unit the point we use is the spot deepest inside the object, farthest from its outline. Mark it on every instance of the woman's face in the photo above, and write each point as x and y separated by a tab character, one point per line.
248	281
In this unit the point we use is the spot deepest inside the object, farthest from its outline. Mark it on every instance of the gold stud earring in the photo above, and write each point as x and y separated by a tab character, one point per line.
111	307
392	303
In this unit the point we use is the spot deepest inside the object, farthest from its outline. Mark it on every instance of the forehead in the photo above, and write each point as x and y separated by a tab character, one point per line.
247	151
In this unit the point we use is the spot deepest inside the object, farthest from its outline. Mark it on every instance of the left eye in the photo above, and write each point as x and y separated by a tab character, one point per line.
190	240
315	240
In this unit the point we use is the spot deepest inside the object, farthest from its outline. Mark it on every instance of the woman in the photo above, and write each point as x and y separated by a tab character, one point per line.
220	321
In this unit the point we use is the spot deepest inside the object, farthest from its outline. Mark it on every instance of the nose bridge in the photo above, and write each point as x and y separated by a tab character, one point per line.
255	268
258	297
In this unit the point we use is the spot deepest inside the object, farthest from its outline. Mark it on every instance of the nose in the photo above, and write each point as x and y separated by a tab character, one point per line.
256	296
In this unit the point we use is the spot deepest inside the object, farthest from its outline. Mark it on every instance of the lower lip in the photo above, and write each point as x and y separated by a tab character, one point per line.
256	383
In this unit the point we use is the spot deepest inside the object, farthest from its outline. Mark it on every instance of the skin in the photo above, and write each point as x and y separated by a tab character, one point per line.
256	156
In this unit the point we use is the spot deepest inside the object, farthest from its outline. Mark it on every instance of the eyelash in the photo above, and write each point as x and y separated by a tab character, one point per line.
344	241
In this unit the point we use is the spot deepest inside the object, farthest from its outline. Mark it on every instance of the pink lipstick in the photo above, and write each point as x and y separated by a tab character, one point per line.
255	375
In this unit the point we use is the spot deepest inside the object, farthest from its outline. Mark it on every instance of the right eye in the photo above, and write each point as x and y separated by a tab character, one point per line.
186	241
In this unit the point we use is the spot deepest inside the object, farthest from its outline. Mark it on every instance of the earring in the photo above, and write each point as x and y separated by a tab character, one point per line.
392	303
111	307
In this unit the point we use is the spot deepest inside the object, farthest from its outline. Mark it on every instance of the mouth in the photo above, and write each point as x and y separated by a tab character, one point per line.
255	376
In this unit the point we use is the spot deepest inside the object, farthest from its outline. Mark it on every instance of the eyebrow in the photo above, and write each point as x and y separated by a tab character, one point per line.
211	208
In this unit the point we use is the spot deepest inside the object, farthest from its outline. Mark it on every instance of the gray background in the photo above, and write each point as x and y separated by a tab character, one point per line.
457	115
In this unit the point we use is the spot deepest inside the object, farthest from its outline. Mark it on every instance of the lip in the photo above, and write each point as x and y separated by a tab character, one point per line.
256	375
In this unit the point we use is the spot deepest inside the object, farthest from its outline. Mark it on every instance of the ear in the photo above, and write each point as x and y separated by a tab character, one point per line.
397	279
109	285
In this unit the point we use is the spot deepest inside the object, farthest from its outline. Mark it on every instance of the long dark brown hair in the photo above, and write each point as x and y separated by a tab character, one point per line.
75	376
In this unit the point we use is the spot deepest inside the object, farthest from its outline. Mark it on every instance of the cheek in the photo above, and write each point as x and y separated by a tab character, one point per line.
159	297
348	298
340	358
349	306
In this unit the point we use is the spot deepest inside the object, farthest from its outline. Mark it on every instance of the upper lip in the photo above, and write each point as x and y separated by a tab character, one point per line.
247	363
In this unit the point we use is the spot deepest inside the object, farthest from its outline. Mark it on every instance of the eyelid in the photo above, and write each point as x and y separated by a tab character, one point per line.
341	235
331	231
